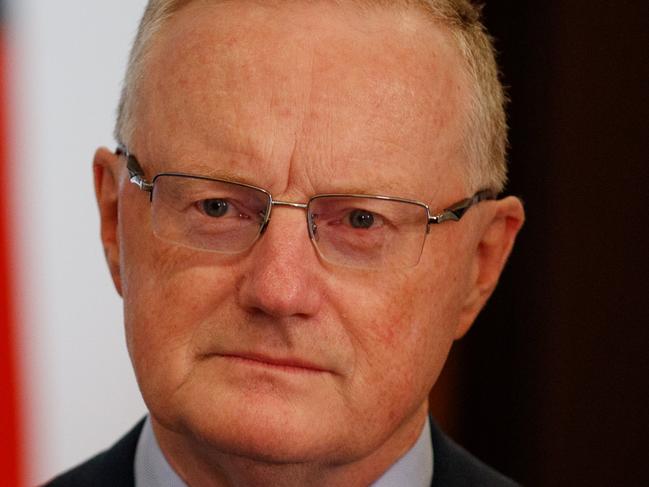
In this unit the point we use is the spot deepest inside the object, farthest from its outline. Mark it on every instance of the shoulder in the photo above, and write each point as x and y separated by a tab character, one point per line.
455	467
113	467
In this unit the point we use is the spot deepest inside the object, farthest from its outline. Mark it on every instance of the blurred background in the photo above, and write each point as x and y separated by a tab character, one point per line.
551	384
67	387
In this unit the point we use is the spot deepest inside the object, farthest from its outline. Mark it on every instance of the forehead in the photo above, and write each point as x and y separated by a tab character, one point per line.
305	94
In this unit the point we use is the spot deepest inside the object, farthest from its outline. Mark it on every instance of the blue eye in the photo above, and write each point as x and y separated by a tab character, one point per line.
361	219
215	207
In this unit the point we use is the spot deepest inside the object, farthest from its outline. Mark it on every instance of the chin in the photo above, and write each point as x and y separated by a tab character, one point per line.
268	431
261	421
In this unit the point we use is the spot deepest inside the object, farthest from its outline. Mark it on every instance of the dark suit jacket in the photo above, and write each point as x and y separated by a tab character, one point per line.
453	466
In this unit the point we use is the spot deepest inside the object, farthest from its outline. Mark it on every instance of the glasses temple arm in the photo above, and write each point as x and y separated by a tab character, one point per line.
456	211
135	171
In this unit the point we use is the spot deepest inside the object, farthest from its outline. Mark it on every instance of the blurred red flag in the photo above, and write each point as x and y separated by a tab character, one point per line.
10	461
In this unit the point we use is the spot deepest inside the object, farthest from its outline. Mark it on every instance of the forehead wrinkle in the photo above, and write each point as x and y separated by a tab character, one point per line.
231	170
210	171
284	96
312	142
430	116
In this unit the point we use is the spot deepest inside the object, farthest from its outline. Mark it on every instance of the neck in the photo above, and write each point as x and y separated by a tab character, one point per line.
199	464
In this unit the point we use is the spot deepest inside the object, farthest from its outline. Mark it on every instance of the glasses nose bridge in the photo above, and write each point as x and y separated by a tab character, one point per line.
290	204
286	204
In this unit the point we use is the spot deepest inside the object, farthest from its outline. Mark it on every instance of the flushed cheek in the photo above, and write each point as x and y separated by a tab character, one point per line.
405	346
401	336
180	299
164	308
389	316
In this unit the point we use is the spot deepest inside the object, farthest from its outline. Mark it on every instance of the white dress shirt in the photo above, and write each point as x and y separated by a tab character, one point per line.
414	469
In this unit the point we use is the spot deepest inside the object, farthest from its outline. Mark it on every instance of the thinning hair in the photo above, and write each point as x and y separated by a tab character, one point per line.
485	136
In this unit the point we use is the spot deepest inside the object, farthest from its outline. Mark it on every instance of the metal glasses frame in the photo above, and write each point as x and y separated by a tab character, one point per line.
452	213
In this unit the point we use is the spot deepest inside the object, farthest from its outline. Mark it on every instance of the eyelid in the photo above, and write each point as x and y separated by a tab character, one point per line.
235	206
379	219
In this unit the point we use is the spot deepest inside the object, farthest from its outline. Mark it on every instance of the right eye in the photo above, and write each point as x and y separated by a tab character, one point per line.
214	207
361	219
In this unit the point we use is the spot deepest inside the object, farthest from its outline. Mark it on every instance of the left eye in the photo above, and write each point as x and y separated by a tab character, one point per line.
361	219
214	207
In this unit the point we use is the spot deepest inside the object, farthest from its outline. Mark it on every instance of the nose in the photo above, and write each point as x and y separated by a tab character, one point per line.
284	275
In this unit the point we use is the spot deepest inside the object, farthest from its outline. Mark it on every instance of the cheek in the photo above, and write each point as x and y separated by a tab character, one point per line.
168	293
171	297
410	310
401	334
414	332
407	321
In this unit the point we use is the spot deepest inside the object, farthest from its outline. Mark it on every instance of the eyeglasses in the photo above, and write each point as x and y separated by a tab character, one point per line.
354	230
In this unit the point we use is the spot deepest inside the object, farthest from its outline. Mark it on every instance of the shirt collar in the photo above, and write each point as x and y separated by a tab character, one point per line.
151	467
414	469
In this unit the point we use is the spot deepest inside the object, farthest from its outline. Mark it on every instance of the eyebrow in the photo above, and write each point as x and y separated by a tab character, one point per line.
204	170
387	188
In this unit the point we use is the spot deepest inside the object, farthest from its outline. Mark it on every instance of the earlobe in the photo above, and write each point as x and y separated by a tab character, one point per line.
493	248
106	176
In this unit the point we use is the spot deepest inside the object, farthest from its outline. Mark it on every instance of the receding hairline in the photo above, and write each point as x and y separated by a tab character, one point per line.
437	10
486	128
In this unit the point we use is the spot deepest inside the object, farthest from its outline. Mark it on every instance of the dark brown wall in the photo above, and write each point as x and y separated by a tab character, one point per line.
552	386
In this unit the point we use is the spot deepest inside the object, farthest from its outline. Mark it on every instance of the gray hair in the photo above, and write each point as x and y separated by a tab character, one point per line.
486	128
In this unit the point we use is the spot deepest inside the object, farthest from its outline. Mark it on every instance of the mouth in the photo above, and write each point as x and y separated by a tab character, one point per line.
280	364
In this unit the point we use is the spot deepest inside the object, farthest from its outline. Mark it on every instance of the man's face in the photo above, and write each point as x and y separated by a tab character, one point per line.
300	100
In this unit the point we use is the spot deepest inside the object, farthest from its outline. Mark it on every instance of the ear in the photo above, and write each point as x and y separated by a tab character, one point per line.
106	169
495	241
